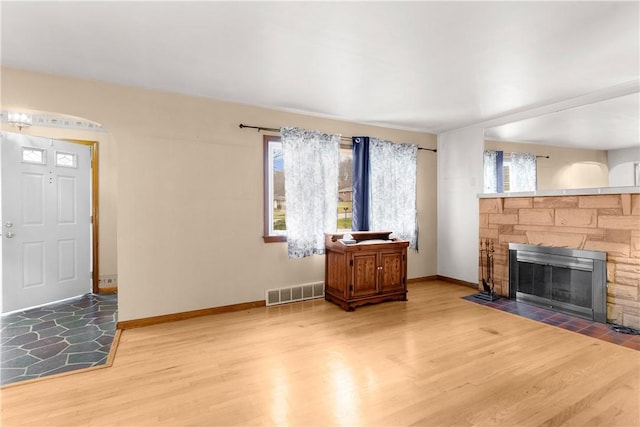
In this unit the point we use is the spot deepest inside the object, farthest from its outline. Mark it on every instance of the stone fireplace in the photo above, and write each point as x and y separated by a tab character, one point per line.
608	223
570	281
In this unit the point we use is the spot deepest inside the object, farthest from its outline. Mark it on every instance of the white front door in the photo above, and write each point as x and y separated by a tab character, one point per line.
46	220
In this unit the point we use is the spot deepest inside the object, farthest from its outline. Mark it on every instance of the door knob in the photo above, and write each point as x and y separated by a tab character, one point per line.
10	235
8	224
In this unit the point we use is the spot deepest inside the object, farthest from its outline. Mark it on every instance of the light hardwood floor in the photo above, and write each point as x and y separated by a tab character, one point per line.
435	360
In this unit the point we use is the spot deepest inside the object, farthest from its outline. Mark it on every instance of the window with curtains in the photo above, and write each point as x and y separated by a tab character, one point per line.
324	183
275	227
509	172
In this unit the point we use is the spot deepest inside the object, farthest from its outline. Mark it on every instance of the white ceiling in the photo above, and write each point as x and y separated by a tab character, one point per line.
428	66
606	125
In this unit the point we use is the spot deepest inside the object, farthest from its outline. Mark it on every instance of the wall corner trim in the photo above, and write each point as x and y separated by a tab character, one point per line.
422	279
458	282
148	321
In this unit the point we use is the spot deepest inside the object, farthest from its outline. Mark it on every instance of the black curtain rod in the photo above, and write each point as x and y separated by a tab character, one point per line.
342	138
538	157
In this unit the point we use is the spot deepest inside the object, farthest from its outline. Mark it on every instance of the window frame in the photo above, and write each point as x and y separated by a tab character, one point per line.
267	204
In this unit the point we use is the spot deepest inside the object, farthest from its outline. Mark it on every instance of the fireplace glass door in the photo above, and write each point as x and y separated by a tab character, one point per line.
555	283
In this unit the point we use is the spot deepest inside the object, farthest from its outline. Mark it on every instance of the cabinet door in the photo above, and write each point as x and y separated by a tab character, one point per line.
364	274
393	271
336	276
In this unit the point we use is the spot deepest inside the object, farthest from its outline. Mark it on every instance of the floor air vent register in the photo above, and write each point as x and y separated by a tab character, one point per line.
294	293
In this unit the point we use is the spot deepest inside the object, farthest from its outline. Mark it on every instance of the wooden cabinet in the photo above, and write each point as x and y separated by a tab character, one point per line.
371	270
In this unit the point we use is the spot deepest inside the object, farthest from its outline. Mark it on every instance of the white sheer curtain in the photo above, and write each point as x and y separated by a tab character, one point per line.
523	172
490	173
311	160
393	189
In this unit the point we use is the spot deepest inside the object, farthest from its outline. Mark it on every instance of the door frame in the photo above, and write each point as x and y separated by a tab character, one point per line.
95	279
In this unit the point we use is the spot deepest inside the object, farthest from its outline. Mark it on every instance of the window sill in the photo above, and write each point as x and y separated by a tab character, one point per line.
274	239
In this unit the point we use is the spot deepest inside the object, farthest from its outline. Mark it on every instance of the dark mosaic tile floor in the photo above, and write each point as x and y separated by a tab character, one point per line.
56	338
597	330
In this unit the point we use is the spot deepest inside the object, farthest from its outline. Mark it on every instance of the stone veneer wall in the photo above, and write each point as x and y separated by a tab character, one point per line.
609	223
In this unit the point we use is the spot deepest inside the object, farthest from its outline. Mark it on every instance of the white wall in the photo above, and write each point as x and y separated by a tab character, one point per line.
189	192
459	182
621	166
1	231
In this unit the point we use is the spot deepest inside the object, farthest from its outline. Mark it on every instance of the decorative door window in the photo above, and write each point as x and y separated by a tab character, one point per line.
34	155
66	160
